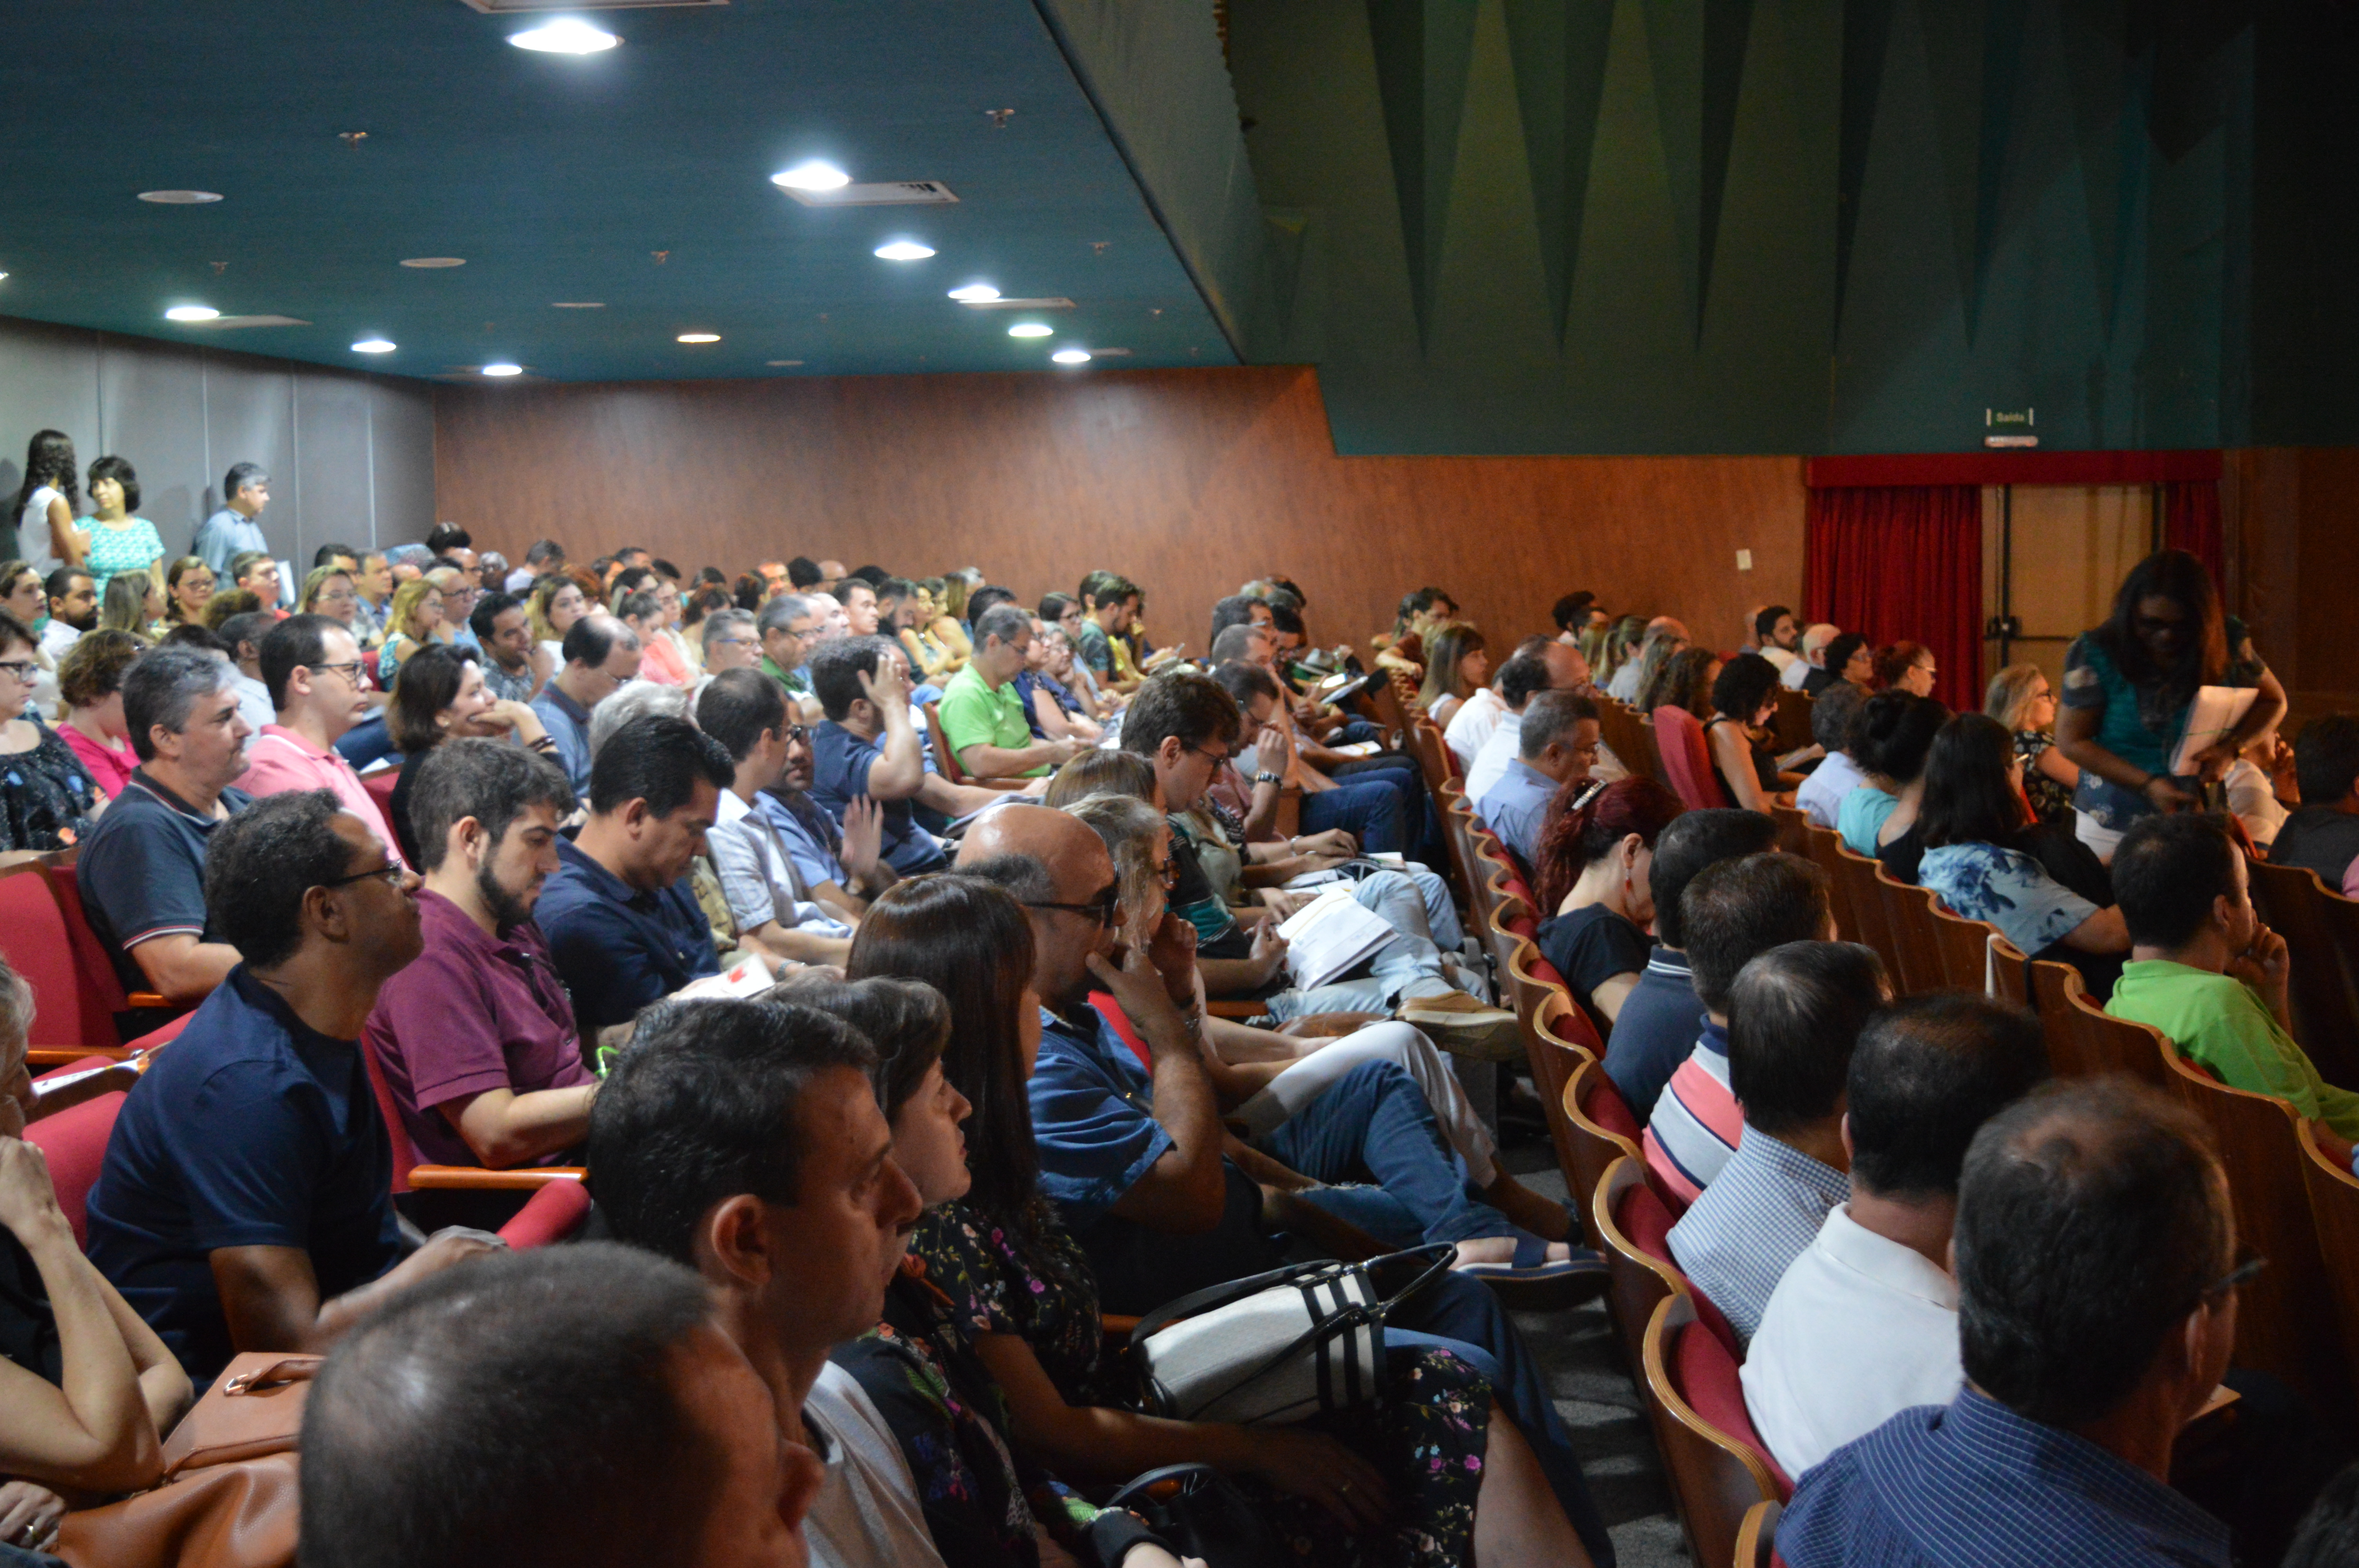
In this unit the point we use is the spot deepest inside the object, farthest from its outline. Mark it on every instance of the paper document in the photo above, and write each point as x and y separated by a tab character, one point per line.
2215	711
748	976
1329	936
1357	749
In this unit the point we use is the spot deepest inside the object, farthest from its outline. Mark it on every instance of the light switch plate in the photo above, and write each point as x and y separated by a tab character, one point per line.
1745	560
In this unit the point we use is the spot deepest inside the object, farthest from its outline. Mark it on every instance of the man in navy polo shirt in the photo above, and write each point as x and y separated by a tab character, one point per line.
246	1201
141	872
621	917
869	746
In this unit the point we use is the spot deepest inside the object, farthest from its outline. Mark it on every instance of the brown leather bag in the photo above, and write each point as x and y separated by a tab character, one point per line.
227	1498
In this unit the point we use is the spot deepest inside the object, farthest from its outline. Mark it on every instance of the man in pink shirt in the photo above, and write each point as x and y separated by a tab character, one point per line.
312	668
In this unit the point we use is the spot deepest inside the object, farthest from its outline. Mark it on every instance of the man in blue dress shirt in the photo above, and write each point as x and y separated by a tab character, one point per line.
2097	1287
1559	742
233	530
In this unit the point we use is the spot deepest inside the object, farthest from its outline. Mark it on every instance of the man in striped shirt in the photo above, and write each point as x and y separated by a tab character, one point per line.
1731	912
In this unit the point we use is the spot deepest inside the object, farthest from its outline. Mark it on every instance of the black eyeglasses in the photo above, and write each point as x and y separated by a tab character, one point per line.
1103	909
2242	1273
798	733
390	874
350	670
19	669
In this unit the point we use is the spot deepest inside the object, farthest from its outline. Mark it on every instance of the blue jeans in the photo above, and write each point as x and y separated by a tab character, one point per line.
1407	965
1374	1123
1417	814
1369	812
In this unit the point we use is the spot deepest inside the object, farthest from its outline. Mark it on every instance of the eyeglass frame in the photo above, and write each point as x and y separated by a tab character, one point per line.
390	874
1106	909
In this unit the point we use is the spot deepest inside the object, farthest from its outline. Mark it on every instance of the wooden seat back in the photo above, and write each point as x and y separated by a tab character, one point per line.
1715	1477
1908	913
1855	874
2325	1014
2098	1042
1629	1223
2010	970
2334	1216
1793	828
1792	724
1965	950
2336	1054
1824	845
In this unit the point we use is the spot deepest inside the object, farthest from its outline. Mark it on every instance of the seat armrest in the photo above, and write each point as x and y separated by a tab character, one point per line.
470	1178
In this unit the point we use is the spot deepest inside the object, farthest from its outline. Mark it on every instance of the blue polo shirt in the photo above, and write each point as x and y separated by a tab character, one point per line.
141	872
253	1131
812	841
616	948
568	723
1661	1020
1515	808
839	764
1092	1118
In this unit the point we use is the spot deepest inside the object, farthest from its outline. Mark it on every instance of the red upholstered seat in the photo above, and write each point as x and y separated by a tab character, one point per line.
1686	758
74	1142
550	1214
1606	1107
1705	1373
379	786
38	941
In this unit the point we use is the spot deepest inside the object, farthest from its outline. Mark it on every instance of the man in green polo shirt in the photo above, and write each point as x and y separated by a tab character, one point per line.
983	712
790	626
2205	971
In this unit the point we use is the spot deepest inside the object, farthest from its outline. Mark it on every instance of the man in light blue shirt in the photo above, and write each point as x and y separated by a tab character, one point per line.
233	529
1558	742
1832	714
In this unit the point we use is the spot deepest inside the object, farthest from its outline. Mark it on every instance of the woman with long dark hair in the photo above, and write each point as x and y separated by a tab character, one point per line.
1462	1483
1683	680
1455	671
1888	741
1744	702
43	512
439	696
1593	866
2129	686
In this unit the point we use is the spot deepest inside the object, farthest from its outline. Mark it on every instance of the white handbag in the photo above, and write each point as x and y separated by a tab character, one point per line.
1280	1346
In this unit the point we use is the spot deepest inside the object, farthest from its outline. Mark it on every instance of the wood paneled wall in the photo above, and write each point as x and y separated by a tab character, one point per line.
2293	531
1188	481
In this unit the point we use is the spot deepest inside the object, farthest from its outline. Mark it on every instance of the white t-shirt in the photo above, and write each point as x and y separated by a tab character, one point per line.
1504	744
2255	801
33	530
1784	659
1797	673
866	1514
1859	1329
1822	795
254	702
1472	725
1624	686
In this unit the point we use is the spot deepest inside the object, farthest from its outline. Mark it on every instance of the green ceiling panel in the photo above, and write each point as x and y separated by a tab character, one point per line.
1558	55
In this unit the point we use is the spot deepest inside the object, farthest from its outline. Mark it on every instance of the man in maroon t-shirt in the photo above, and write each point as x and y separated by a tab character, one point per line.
476	1039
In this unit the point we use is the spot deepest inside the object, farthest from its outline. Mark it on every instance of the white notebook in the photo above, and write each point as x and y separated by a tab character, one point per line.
1330	935
2215	711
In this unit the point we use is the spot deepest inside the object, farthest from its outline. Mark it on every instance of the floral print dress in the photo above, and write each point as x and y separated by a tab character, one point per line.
46	795
1427	1437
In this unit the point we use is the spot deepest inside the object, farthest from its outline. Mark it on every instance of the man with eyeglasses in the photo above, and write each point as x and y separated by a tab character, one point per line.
245	1203
1556	742
312	668
787	628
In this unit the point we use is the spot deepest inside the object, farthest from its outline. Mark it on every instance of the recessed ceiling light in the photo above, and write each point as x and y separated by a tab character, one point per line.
501	367
374	346
699	338
435	261
180	197
1072	356
904	249
812	176
788	365
190	313
577	304
1031	329
567	35
976	293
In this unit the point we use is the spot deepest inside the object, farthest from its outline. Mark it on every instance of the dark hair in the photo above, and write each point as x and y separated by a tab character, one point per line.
1765	620
426	683
835	669
1680	683
2180	578
445	537
1793	1015
297	639
1832	713
1927	1073
543	551
1244	682
2168	869
1895	730
906	1021
2327	1536
122	474
1286	617
1737	910
1970	791
59	582
1521	677
253	626
1191	708
426	1437
49	459
737	706
1101	772
1103	587
1004	620
984	600
702	1106
326	555
2326	758
1839	651
1894	661
1744	683
14	632
1236	609
590	639
1575	841
638	606
490	781
1553	716
159	690
1443	654
189	634
803	572
1693	840
968	939
1572	607
2091	1221
489	608
1054	605
240	475
659	759
260	863
93	667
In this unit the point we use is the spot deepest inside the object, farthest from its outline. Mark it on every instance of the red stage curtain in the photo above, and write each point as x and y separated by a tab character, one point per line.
1904	561
2191	521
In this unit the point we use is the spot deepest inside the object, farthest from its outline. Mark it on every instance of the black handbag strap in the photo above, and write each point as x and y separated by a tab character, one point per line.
1221	1295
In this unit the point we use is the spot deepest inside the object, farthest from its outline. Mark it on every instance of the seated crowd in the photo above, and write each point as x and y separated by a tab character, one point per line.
908	969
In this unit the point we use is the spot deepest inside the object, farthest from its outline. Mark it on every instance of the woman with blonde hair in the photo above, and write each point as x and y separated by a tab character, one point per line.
2021	697
1455	668
124	606
1622	642
557	603
415	621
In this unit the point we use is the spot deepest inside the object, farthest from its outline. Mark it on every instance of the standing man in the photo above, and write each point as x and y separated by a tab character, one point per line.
233	529
312	669
372	593
983	712
504	631
601	654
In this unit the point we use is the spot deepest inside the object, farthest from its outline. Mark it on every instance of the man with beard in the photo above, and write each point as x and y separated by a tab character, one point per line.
476	1039
73	609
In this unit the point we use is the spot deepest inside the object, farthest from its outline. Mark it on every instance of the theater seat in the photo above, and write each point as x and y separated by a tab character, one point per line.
410	1175
1686	758
74	1142
1717	1476
69	1020
550	1214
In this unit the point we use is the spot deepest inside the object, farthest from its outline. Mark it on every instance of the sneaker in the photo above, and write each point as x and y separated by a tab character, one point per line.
1465	1026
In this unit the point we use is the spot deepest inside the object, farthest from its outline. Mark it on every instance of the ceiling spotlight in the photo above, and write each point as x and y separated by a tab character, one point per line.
180	197
697	337
1031	329
192	313
577	304
812	176
373	346
503	368
1072	356
904	249
430	262
976	293
567	35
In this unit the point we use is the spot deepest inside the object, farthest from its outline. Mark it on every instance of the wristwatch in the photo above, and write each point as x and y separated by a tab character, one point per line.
1266	776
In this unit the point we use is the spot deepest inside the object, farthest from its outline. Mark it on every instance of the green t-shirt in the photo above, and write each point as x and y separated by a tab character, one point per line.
972	714
2219	1022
